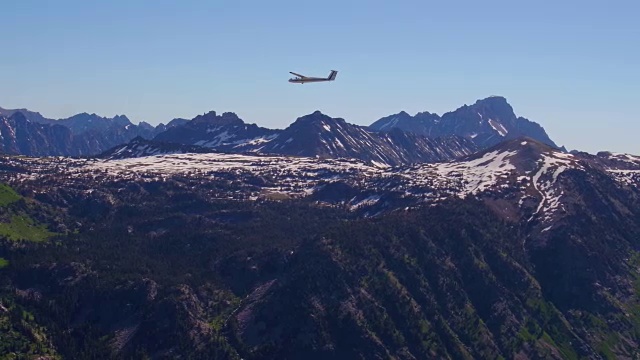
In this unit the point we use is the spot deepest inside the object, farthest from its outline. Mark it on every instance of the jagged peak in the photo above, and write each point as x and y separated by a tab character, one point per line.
122	120
426	114
211	117
229	116
401	114
176	122
92	116
121	117
495	104
497	99
18	115
492	106
318	118
405	121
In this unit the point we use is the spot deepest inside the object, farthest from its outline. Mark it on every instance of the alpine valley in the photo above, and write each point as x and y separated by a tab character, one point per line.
470	235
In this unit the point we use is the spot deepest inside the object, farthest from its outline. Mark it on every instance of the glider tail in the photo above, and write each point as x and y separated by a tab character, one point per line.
332	75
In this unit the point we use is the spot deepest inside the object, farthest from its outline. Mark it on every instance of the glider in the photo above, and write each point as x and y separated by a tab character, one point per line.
301	79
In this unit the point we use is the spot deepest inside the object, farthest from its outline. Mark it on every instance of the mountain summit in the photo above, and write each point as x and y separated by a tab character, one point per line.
486	122
212	118
226	132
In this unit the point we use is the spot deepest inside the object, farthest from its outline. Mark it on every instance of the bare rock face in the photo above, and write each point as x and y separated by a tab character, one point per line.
80	135
487	122
18	135
325	137
226	132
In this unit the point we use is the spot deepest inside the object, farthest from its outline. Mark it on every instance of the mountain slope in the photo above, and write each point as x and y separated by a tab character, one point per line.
487	122
408	286
526	180
422	123
91	134
30	115
140	147
18	135
94	134
315	135
320	135
29	133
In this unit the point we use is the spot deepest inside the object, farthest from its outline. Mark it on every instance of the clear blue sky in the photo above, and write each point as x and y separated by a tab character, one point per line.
572	66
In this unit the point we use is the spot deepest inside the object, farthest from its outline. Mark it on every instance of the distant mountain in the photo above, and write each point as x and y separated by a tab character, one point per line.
609	160
487	122
30	133
171	124
30	115
101	133
394	140
325	137
84	122
422	123
221	132
19	135
315	135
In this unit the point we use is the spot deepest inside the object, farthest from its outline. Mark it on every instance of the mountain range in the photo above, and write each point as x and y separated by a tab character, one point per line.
29	133
393	140
315	135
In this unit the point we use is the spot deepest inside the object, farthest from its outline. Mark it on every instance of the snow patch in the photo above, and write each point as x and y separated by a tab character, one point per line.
498	127
391	123
371	200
